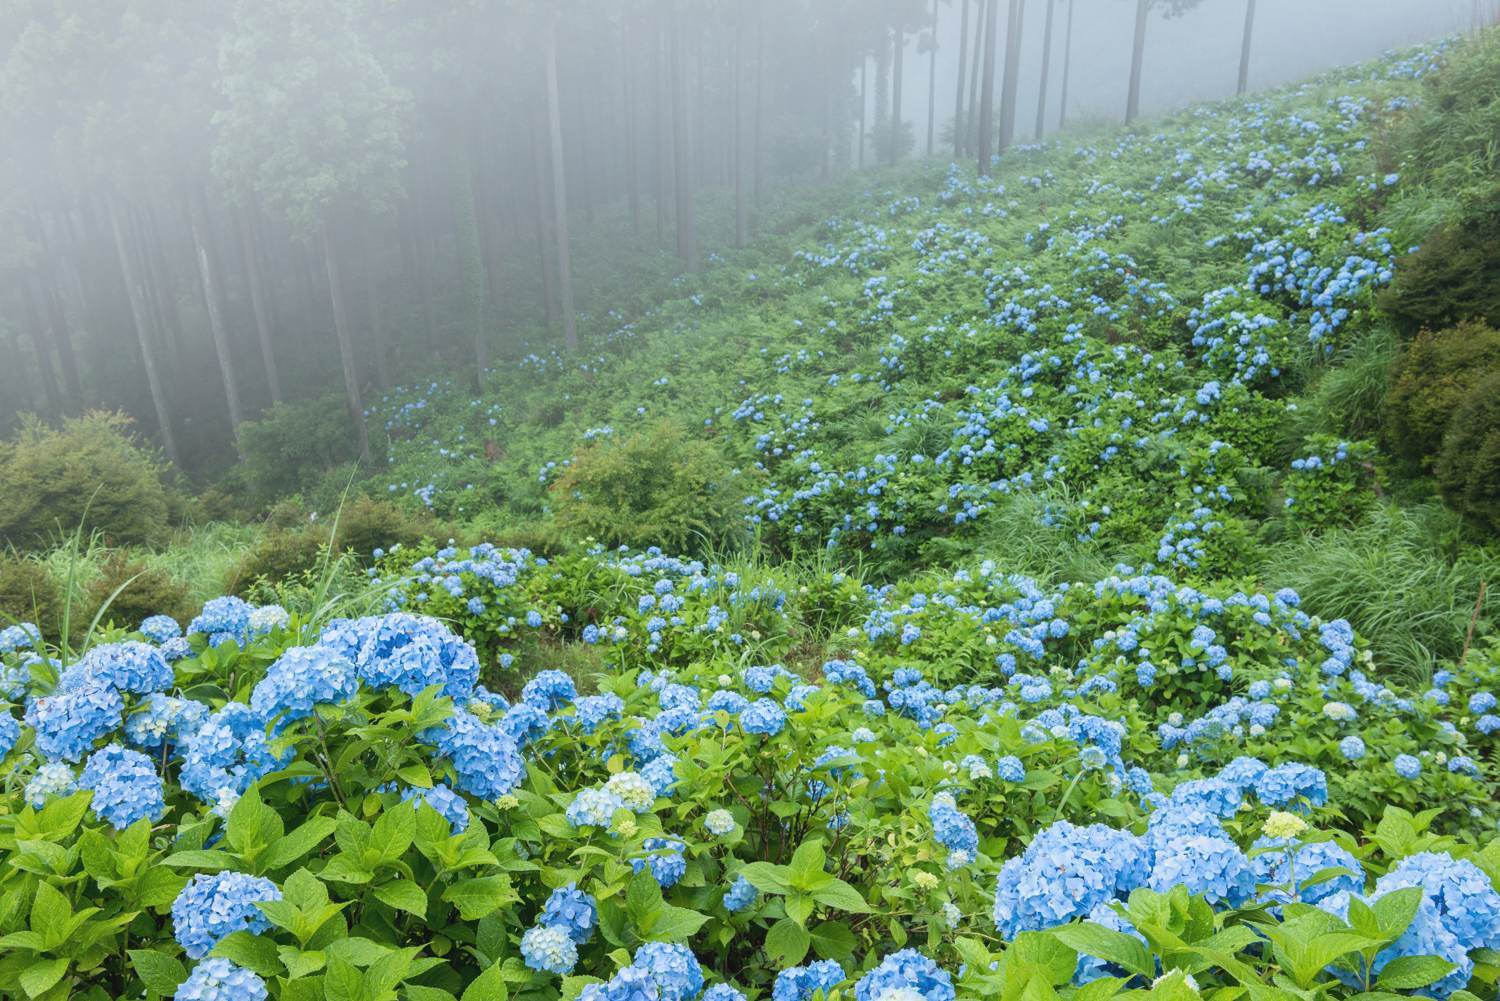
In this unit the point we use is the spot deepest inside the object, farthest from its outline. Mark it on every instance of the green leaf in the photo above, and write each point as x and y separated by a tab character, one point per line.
254	953
41	974
158	971
206	861
677	924
51	916
403	895
343	981
1396	910
414	992
807	865
1406	973
841	896
768	878
488	986
295	845
643	901
477	898
252	825
1090	939
832	940
394	831
787	942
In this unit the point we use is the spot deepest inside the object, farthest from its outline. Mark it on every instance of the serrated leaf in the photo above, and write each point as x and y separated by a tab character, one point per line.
841	896
488	986
1090	939
288	849
403	895
787	942
1405	973
478	898
158	971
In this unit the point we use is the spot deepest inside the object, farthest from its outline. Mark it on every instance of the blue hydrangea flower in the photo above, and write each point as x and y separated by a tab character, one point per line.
1352	748
52	778
125	785
485	759
212	906
1408	766
593	808
301	679
907	970
227	753
953	830
549	691
524	722
68	724
592	710
407	652
549	950
130	667
740	895
1285	784
763	716
164	720
664	859
218	979
572	910
1065	873
21	636
160	628
1011	769
675	969
1465	900
722	992
800	983
1425	936
10	732
1213	868
223	620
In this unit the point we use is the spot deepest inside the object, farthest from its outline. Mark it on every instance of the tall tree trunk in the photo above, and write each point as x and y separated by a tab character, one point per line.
987	91
898	57
1137	61
375	317
882	97
1062	115
687	223
137	295
864	97
632	164
158	285
50	279
1244	84
208	278
16	380
932	82
36	329
661	121
1041	101
976	60
258	304
737	119
963	69
756	153
346	343
546	240
472	281
560	196
1014	28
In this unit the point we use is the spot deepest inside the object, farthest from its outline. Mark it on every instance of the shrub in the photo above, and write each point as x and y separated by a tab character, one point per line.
658	487
292	444
146	591
1431	379
1468	471
1450	278
91	472
29	594
281	553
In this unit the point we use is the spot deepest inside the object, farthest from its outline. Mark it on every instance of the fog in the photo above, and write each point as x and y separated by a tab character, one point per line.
209	209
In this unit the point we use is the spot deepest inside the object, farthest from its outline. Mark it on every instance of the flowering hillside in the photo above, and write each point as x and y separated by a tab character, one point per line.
993	694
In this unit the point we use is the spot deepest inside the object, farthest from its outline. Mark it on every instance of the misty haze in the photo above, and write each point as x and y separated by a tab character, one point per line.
749	500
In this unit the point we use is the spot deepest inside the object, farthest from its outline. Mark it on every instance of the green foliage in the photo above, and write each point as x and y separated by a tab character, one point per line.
1450	278
90	473
292	445
1436	374
127	590
658	486
1468	470
28	593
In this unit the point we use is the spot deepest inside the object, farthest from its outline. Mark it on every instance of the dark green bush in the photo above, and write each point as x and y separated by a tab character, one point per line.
1450	278
146	591
1468	471
281	553
658	487
91	472
1430	380
29	594
369	523
292	444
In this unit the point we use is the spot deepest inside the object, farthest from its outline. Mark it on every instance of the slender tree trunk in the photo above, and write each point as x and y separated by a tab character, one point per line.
864	97
560	196
1062	115
159	286
1244	84
760	85
963	69
545	238
346	344
1137	61
882	98
1041	101
52	297
258	305
687	228
208	278
375	317
16	378
472	282
1014	27
36	329
898	56
932	82
982	10
987	93
136	293
737	119
632	165
661	121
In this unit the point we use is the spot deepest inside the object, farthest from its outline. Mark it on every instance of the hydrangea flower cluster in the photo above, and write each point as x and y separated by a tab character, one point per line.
212	907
